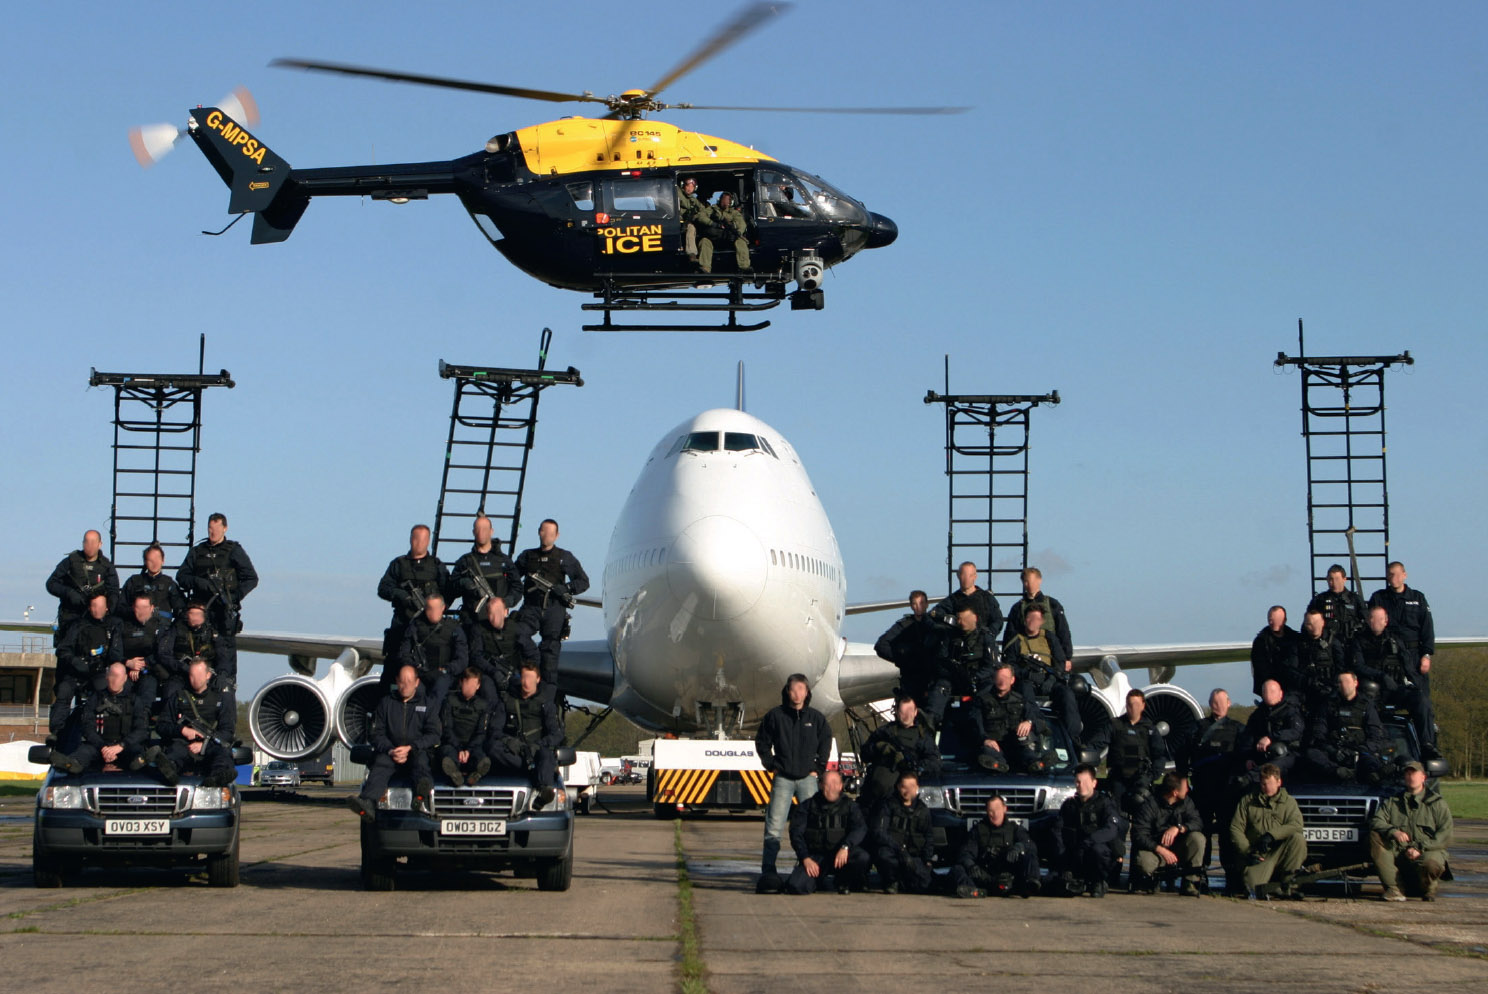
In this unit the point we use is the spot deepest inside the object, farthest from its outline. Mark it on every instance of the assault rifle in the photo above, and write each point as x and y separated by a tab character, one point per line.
1289	885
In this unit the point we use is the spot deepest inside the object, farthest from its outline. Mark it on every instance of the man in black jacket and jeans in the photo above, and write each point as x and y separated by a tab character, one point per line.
794	743
405	733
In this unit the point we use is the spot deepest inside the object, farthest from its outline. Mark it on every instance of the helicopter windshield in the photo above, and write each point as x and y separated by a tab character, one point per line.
788	194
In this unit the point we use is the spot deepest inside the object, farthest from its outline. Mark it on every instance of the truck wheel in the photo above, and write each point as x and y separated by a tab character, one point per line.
556	874
584	802
379	873
222	869
666	812
45	870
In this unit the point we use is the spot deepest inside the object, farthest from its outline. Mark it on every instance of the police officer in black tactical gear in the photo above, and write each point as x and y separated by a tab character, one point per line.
91	644
529	740
1273	732
191	637
902	840
1345	739
1273	654
407	584
434	644
1136	753
1089	833
964	665
1410	621
1215	763
906	743
827	832
83	573
1008	728
1043	669
139	647
988	611
465	724
1168	837
405	733
115	725
1379	655
1055	623
911	644
164	593
552	579
500	642
1342	609
483	573
1319	659
218	574
998	857
196	728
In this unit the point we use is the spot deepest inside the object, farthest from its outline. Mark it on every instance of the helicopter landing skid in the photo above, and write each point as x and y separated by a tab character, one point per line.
688	295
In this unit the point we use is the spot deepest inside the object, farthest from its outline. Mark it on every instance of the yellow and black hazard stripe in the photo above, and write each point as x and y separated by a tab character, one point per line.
683	786
757	782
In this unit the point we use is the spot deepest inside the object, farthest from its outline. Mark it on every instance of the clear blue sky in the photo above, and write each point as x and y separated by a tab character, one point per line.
1142	203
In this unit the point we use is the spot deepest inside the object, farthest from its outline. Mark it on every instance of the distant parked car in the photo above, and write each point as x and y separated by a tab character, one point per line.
279	774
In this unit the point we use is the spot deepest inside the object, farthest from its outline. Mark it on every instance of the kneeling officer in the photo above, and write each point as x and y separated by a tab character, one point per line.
997	857
827	833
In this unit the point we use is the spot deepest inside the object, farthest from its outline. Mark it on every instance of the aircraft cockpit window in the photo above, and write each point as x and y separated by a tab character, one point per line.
765	444
738	441
644	195
828	202
583	195
700	441
781	196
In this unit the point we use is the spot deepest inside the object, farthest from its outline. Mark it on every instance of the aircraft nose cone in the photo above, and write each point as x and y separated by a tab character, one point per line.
883	231
717	568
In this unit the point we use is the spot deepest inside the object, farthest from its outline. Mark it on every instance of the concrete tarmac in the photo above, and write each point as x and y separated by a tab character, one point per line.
299	921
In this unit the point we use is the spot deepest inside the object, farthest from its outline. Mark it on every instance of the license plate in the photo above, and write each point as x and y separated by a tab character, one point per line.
1330	834
136	826
472	826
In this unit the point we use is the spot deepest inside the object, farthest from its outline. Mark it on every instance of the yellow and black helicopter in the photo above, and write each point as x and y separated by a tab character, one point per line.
588	204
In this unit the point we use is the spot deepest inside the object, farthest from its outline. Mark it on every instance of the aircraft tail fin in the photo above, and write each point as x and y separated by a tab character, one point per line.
259	180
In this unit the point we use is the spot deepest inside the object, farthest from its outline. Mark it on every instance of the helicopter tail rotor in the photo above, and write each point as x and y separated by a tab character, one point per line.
152	142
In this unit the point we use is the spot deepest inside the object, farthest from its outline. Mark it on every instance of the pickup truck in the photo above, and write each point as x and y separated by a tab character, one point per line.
493	826
115	818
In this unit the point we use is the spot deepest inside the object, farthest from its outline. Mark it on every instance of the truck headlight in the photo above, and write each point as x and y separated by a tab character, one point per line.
558	803
933	797
63	798
1056	797
398	799
211	798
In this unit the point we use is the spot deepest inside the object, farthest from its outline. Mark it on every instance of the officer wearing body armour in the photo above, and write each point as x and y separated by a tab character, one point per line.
997	857
115	724
1135	755
1217	768
1346	739
139	647
1319	658
405	733
552	579
164	593
90	646
483	573
191	637
902	840
964	666
407	584
465	724
1055	624
1410	620
911	645
1273	653
434	645
1043	669
726	225
1089	833
1380	655
218	574
83	573
1168	837
827	832
1342	609
1007	728
906	743
196	729
500	642
988	611
528	742
1273	732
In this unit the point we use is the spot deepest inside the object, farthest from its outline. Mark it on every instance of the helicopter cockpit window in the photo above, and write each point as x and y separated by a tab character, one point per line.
701	441
642	195
583	195
738	441
781	196
826	201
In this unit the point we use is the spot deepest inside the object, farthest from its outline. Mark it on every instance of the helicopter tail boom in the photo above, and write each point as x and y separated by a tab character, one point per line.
259	180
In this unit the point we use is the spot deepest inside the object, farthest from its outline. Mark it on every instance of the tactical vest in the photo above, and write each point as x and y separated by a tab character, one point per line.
967	651
203	711
113	714
1382	652
141	640
904	827
548	565
426	576
489	565
215	562
90	578
499	645
1001	715
1339	617
1092	814
1346	721
467	718
993	842
1042	600
157	588
1036	649
194	642
1274	719
435	642
1131	746
92	642
524	717
826	825
1219	737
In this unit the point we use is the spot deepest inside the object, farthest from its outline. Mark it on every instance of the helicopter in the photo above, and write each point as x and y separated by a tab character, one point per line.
581	203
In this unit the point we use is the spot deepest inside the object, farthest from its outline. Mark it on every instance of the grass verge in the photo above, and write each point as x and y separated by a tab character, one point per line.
1466	799
691	966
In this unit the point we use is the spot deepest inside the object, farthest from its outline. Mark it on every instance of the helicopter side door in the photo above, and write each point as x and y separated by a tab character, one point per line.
636	227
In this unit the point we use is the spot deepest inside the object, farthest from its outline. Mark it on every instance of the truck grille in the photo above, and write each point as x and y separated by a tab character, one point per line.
1340	812
1022	802
477	802
138	800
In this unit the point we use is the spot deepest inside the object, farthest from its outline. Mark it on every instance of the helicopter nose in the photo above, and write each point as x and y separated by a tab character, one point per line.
882	231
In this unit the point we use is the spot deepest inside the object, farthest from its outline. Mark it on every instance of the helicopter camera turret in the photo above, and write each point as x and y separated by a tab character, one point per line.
809	270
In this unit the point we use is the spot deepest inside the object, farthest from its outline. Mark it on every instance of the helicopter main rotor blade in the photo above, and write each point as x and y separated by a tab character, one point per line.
746	20
827	110
443	81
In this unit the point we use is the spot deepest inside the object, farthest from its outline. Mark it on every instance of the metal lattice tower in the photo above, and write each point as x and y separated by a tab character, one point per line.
1343	429
492	427
986	450
157	435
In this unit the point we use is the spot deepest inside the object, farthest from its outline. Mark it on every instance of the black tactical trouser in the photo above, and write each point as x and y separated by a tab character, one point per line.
515	756
1328	760
381	773
215	760
896	866
1216	800
1089	861
69	686
549	622
853	875
1060	697
1015	754
91	758
1410	697
477	752
1019	876
392	644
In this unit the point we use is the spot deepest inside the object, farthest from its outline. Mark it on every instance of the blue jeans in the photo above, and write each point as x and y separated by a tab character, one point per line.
782	791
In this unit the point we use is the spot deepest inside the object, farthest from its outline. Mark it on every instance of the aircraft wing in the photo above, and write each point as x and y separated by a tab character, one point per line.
588	602
29	627
868	607
1162	660
863	675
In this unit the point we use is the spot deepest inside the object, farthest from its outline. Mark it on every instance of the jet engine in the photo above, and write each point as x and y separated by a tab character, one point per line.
1176	706
290	719
354	710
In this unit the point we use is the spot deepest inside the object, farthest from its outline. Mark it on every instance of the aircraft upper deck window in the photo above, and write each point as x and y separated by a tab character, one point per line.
583	195
700	441
640	195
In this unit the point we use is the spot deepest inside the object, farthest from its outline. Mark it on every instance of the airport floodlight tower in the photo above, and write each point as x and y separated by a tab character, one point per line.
157	436
1343	431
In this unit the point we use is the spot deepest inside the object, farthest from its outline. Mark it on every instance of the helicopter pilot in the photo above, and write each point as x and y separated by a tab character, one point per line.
726	220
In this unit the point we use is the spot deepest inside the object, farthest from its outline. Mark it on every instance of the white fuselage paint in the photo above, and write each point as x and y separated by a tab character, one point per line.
723	578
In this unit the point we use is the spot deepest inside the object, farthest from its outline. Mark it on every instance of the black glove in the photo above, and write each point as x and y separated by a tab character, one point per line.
1013	854
1264	844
